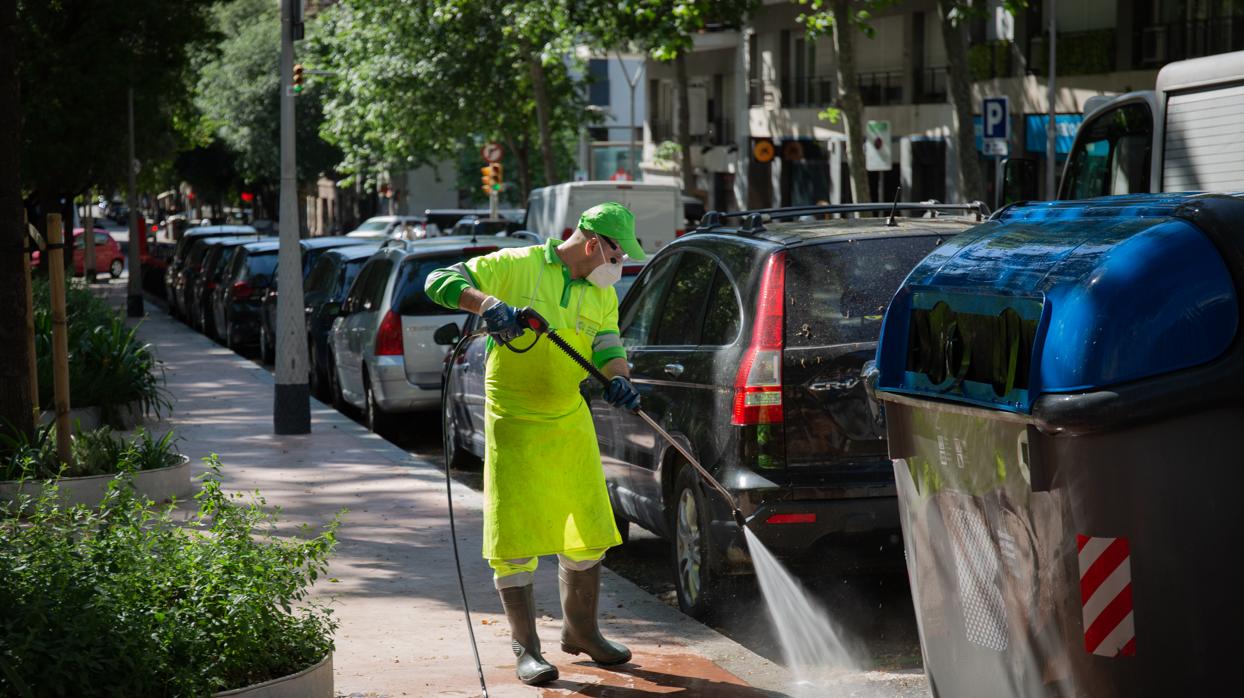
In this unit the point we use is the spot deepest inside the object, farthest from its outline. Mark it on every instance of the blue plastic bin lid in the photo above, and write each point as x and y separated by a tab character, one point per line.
1059	297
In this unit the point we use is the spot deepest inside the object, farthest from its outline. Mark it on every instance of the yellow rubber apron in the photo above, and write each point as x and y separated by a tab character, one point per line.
543	483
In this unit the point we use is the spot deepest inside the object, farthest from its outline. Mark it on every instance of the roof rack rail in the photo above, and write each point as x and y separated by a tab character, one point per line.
754	220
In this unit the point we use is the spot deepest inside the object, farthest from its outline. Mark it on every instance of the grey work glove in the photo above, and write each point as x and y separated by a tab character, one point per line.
501	320
621	393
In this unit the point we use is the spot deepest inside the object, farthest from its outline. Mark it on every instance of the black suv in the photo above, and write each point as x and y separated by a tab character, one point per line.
747	343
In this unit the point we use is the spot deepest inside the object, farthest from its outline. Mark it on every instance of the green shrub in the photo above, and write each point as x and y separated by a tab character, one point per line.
95	452
108	366
121	600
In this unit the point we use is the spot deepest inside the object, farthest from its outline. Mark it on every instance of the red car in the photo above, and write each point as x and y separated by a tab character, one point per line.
108	257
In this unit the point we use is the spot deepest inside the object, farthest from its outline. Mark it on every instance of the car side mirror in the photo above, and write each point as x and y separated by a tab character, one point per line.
1019	180
447	335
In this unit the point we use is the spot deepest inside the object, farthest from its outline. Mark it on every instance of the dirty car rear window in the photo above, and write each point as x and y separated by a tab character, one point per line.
837	292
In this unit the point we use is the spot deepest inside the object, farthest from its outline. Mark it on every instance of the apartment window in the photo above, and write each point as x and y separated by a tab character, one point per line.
598	86
755	89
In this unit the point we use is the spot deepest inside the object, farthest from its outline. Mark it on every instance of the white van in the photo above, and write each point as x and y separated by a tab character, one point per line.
554	211
1185	135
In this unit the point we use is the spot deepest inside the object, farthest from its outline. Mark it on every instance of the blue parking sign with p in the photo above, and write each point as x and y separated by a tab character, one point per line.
995	118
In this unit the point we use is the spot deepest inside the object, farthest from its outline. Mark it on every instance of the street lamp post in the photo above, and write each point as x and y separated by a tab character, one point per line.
134	289
631	82
291	412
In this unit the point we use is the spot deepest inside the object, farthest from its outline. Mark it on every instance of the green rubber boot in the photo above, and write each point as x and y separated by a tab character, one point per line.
520	610
580	592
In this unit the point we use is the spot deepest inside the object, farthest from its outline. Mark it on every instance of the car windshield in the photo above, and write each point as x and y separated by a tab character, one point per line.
196	255
836	293
408	295
372	226
348	273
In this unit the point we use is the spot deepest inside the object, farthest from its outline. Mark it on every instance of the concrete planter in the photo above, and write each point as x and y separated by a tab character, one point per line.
160	485
80	418
313	682
128	415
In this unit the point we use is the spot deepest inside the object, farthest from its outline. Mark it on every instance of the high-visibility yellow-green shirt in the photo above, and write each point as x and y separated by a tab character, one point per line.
543	484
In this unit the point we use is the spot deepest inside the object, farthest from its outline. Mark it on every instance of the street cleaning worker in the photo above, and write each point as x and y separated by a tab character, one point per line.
544	487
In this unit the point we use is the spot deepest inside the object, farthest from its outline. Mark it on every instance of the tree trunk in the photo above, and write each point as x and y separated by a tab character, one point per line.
540	89
684	125
971	185
849	97
16	408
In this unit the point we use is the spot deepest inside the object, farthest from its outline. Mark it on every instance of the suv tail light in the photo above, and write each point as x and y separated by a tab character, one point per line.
758	385
242	290
679	233
389	336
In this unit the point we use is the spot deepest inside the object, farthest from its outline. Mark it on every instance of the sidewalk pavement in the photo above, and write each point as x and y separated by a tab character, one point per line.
392	580
402	631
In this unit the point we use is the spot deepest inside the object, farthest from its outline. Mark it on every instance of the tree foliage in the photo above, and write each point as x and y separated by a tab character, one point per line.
412	84
239	95
76	60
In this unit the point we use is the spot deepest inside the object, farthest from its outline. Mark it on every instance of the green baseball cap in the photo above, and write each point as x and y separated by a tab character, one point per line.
614	221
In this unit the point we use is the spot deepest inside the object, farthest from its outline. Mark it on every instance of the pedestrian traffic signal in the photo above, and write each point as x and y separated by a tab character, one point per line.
297	78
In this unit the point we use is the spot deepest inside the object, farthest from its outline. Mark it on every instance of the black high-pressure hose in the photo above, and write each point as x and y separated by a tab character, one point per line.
453	532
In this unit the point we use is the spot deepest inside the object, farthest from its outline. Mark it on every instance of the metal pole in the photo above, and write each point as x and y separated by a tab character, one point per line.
292	404
631	82
88	242
134	291
1051	159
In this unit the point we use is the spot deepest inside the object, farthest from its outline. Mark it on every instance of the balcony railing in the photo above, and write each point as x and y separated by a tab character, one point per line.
931	86
1158	44
1079	53
719	132
810	91
881	88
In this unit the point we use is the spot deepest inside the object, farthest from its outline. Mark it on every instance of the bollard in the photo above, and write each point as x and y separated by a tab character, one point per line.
60	337
30	321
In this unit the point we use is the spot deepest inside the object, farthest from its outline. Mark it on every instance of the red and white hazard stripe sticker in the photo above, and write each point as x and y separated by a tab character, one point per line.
1106	596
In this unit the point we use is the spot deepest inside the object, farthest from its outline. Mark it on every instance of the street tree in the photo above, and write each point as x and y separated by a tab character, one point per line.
450	75
844	20
76	61
665	29
16	410
238	94
954	18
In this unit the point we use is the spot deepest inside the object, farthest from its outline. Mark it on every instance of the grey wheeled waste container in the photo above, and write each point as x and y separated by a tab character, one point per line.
1064	395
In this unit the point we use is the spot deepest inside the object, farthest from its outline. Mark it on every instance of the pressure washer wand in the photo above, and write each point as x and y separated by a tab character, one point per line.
539	325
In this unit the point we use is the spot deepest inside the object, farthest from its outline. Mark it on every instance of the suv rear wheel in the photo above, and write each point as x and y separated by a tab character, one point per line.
697	576
378	421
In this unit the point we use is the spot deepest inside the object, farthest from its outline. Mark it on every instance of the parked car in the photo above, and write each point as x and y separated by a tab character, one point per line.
482	226
445	218
173	280
747	344
108	256
554	211
406	227
216	261
310	250
382	358
323	292
465	379
236	305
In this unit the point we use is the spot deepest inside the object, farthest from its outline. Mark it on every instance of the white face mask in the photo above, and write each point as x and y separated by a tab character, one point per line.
609	272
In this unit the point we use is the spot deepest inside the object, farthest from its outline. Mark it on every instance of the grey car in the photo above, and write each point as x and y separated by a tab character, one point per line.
382	357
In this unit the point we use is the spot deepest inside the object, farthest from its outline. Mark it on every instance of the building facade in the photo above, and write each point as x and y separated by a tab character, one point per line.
770	82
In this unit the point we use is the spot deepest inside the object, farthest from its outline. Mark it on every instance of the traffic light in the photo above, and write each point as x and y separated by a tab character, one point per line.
496	175
486	180
297	78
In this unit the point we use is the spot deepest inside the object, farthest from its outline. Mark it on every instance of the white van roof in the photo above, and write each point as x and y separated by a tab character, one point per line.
1201	72
610	185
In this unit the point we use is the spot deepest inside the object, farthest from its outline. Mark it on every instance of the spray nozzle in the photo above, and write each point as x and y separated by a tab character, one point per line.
738	519
532	319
